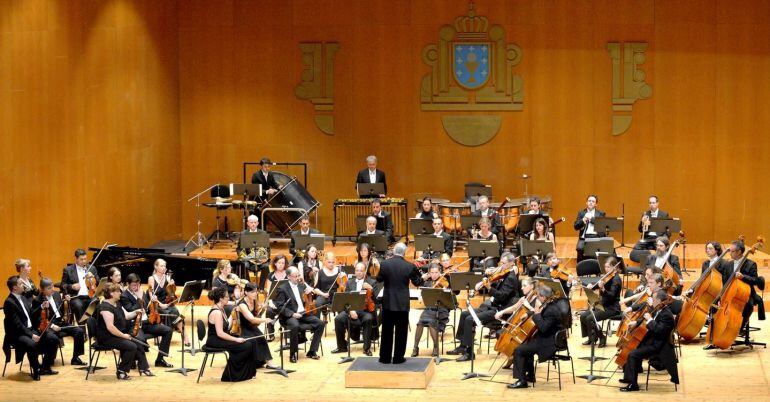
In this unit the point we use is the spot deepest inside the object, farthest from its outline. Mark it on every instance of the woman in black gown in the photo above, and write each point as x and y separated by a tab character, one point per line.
326	284
111	330
241	361
435	318
250	313
280	264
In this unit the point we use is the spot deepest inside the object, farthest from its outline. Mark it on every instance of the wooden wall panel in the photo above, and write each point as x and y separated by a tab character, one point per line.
90	114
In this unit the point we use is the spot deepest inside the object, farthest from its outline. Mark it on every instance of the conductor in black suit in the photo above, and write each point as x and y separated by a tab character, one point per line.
372	175
584	224
73	282
266	178
395	275
648	239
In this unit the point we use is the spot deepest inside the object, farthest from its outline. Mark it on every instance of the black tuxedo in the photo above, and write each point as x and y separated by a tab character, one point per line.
542	343
395	275
69	278
259	178
366	320
130	303
750	277
77	333
286	300
292	248
661	215
385	223
19	334
363	177
657	337
581	227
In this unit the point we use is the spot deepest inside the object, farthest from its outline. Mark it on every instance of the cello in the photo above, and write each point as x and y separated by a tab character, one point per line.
637	334
696	307
518	328
732	299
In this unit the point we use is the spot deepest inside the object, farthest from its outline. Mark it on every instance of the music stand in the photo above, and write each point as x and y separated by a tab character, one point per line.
554	284
377	242
599	245
247	190
535	247
430	243
302	242
608	224
464	280
370	189
483	248
420	226
348	269
473	191
347	301
191	292
665	226
593	304
438	298
255	240
526	221
469	221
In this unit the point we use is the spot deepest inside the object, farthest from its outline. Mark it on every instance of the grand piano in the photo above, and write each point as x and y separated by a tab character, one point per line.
141	260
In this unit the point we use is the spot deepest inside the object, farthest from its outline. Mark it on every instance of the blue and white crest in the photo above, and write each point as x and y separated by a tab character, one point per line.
471	64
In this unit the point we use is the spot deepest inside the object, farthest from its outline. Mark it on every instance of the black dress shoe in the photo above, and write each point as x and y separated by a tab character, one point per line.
457	351
36	375
624	381
465	357
586	343
518	384
77	362
293	359
709	347
47	371
368	352
630	388
163	363
146	373
399	361
530	378
312	355
602	342
434	353
339	350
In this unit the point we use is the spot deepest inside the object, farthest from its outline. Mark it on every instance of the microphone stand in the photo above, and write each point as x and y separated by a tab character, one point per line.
198	239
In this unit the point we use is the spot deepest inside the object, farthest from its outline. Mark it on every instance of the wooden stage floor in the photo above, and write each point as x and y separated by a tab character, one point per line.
704	375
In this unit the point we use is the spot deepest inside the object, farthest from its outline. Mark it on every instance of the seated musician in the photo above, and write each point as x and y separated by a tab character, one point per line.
385	218
326	284
247	253
658	258
60	328
158	282
266	178
713	252
115	276
535	209
23	269
241	356
655	283
364	255
540	231
426	210
484	232
73	282
552	265
746	272
309	265
649	238
504	293
366	320
20	331
371	228
136	299
584	224
438	231
528	285
610	304
485	211
372	175
250	318
304	230
294	318
432	317
548	319
112	331
280	264
225	278
659	327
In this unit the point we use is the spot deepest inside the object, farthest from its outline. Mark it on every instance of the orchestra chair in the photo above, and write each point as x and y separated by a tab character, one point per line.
207	350
7	348
562	354
97	349
492	326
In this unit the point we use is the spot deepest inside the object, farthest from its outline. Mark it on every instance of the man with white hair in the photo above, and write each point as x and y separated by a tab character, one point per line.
372	175
395	275
259	268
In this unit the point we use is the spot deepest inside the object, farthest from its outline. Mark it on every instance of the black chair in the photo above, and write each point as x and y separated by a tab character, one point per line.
588	267
562	346
8	348
97	349
209	351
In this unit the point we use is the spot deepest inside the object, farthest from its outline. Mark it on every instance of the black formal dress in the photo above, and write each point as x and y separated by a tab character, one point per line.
543	342
129	350
363	177
432	316
395	275
241	362
366	320
79	298
582	228
129	302
77	333
610	301
657	337
19	328
272	312
30	291
248	330
328	284
288	302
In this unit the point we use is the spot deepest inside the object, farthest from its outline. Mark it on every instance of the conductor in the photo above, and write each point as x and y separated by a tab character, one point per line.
395	275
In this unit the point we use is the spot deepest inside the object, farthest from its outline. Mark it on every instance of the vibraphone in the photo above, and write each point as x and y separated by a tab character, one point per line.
346	210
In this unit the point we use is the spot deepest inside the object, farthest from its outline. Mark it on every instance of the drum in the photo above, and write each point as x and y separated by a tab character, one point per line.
291	195
510	214
450	214
546	205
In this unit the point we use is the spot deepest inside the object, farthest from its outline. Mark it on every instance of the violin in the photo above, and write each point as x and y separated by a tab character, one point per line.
66	311
170	289
154	315
374	267
560	274
608	276
369	301
342	282
44	322
138	319
235	321
90	283
501	273
440	283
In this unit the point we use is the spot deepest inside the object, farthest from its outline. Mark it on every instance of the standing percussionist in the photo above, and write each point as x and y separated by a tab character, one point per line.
266	178
248	254
647	242
73	282
395	275
372	175
584	224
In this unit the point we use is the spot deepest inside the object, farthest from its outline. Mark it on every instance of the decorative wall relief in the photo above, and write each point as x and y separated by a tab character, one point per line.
628	82
471	70
317	84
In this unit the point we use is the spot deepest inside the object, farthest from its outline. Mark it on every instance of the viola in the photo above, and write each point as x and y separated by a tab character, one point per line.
90	280
342	282
44	322
170	289
309	300
154	314
560	274
235	321
369	301
66	311
138	319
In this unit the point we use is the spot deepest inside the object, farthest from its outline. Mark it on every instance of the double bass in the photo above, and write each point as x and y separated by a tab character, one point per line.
695	308
671	279
732	299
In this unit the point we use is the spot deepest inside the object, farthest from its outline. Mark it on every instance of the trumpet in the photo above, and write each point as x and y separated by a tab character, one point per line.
645	224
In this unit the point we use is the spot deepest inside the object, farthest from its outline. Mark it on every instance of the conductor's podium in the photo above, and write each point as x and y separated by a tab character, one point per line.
368	372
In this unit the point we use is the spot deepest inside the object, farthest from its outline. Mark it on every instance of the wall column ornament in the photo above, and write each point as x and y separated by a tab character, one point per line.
628	82
317	83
